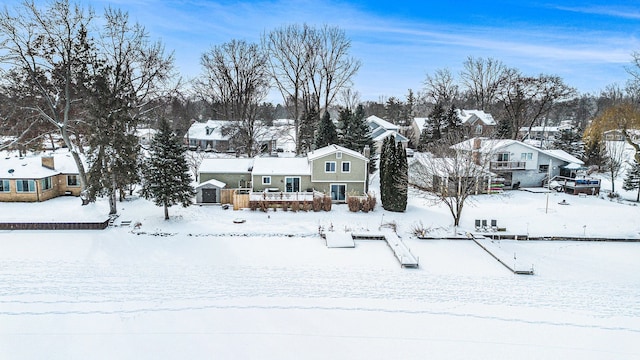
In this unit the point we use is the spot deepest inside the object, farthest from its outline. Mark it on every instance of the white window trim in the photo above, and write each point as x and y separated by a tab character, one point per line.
342	166
334	167
46	181
29	182
266	182
6	188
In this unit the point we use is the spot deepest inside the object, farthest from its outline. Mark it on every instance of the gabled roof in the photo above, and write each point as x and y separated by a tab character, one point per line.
471	116
375	122
210	130
493	145
226	166
214	182
281	166
563	155
332	149
380	136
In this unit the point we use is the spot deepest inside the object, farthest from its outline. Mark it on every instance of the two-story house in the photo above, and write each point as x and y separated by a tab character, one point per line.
475	122
332	170
518	163
381	129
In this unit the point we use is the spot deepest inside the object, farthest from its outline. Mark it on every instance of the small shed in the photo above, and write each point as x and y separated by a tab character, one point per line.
208	192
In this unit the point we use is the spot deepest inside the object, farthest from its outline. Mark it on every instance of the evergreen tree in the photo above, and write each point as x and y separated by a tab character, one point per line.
400	180
385	165
307	129
166	177
453	130
595	151
327	133
571	142
355	133
632	179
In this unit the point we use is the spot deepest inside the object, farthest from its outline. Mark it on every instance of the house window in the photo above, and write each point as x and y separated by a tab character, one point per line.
25	185
330	166
292	184
346	166
526	156
338	192
339	155
46	183
503	157
479	129
72	180
266	180
4	186
544	168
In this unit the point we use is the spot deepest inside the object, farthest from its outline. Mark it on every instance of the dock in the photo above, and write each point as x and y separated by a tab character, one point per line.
400	250
519	267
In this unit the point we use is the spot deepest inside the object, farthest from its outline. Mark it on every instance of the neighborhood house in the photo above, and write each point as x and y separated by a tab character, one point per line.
332	170
523	165
38	178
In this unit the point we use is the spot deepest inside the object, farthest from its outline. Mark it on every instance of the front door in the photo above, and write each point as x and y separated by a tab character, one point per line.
292	184
338	192
209	195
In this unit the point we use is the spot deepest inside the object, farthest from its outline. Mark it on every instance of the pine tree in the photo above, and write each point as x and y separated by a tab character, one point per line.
400	180
632	179
327	133
385	169
571	142
355	133
166	177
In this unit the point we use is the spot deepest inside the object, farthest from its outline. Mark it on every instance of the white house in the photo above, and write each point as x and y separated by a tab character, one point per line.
517	162
476	123
381	129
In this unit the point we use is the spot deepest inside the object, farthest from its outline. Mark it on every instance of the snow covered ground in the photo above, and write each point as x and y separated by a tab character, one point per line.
201	286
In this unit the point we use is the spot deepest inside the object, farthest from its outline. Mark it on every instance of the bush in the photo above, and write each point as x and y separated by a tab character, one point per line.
295	206
372	201
317	203
326	203
354	203
253	205
264	205
306	206
365	205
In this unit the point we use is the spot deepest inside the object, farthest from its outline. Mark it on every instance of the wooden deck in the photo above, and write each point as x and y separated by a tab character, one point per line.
400	250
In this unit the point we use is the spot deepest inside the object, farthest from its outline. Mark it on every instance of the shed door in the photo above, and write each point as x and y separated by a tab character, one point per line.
209	196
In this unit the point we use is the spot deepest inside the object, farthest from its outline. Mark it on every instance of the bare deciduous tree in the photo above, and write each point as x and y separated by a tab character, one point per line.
450	176
526	100
47	45
441	87
235	74
310	67
483	79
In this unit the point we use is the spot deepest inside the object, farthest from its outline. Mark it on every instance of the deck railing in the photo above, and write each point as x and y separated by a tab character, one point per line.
508	165
283	196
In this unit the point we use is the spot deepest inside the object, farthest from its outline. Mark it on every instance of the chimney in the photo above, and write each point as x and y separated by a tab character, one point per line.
477	142
47	161
367	151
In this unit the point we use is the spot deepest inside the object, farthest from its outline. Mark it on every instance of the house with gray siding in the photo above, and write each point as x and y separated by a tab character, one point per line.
332	170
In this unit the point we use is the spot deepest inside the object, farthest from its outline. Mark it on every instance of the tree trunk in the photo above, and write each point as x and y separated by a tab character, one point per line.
113	209
638	194
166	212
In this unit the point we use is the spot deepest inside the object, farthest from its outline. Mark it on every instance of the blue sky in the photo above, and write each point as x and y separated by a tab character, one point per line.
587	43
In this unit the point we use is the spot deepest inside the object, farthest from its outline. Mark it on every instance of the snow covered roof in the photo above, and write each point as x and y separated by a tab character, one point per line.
381	135
210	130
375	122
226	166
281	166
419	121
30	167
318	153
471	115
563	155
214	182
549	129
493	145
